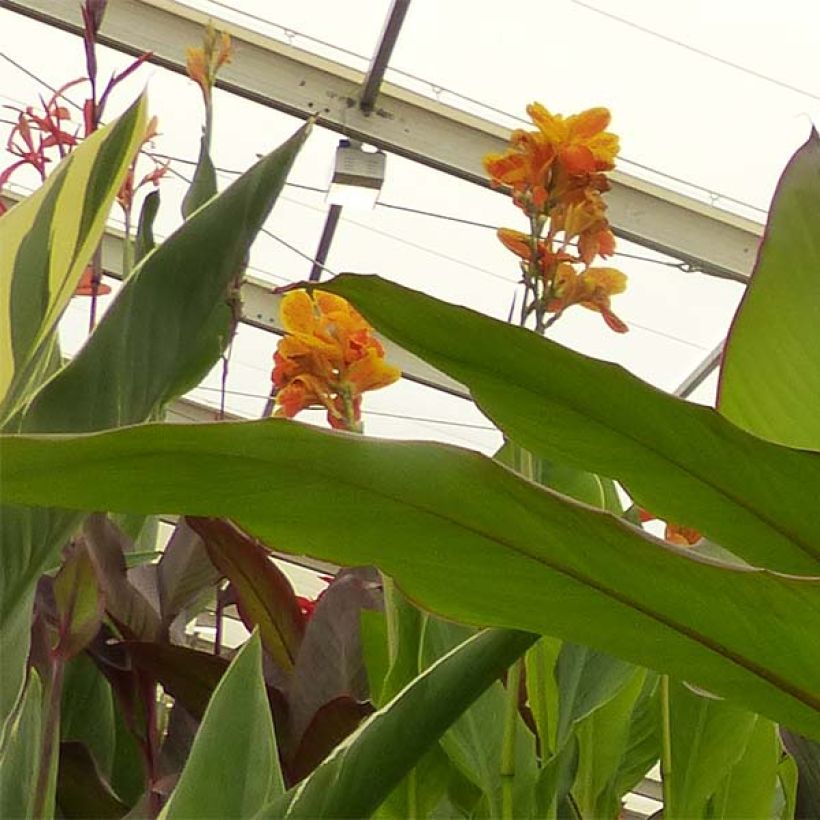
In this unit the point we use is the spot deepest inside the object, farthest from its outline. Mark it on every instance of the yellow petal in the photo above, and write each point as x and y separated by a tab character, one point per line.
371	373
608	280
297	312
552	126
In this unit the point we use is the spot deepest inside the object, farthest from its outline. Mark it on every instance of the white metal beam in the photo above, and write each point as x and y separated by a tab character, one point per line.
303	85
260	308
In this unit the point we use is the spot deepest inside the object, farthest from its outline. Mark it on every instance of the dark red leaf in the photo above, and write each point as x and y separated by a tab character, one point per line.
330	725
265	597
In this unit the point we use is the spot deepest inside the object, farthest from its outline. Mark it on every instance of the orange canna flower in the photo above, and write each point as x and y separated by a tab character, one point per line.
524	167
674	533
327	358
581	141
591	289
203	63
681	536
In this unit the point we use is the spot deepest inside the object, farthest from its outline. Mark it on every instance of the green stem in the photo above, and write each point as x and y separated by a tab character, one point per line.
51	732
537	690
508	742
666	746
127	247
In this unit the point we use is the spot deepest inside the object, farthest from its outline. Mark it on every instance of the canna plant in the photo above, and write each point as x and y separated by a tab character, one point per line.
633	649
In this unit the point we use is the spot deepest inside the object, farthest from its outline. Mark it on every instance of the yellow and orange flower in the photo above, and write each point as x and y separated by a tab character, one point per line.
557	175
525	166
204	62
591	289
328	358
581	142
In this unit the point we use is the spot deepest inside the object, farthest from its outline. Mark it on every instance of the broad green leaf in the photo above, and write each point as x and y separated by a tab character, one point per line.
586	680
469	539
603	744
203	185
577	484
265	596
644	743
708	737
149	347
87	711
404	626
748	793
373	640
787	781
542	690
233	767
47	241
20	753
144	242
422	791
474	741
362	771
770	376
748	495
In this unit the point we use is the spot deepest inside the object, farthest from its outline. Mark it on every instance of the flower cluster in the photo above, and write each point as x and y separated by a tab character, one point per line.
203	63
557	174
328	358
675	534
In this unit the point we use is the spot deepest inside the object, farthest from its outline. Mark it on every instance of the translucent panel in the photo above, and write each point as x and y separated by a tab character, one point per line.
677	111
706	392
345	32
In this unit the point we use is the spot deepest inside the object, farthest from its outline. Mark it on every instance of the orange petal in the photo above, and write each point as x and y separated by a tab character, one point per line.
577	159
616	324
515	241
588	123
682	536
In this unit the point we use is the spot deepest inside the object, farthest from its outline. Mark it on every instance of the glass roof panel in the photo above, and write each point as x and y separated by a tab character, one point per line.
676	318
572	55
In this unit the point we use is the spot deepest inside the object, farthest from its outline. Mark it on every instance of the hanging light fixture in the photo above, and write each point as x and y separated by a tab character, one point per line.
357	176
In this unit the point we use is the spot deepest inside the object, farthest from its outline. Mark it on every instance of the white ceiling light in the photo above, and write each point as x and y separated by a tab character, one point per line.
357	176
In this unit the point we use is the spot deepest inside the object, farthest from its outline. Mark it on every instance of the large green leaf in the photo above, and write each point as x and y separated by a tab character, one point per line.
770	377
610	762
87	711
748	793
161	335
21	753
362	771
47	240
684	462
474	741
468	538
233	767
708	737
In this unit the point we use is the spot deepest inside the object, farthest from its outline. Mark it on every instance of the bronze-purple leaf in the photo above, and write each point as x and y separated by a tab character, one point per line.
265	597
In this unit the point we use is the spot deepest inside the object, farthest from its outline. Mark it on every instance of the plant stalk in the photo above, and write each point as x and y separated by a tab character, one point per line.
666	745
508	742
51	732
